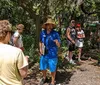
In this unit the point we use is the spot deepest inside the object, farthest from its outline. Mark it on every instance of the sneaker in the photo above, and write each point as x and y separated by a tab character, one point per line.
72	62
53	84
67	58
79	60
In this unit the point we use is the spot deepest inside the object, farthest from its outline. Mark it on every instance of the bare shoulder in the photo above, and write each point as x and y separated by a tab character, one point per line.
68	29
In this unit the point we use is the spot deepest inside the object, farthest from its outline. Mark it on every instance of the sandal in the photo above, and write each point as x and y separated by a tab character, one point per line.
53	84
42	81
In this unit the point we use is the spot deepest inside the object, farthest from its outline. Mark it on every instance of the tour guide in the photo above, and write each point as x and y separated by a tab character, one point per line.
49	43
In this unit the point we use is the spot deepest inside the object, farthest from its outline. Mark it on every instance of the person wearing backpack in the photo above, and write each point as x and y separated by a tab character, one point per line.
49	43
17	37
71	37
79	40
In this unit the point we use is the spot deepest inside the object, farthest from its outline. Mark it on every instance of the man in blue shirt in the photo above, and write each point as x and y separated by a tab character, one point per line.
49	43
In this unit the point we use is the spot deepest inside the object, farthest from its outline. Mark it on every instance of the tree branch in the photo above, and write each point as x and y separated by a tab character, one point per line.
84	11
27	8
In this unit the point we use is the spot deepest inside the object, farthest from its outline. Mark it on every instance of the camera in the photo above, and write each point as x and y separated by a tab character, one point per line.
46	51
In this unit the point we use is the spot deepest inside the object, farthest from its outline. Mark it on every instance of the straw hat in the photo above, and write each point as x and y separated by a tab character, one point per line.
49	21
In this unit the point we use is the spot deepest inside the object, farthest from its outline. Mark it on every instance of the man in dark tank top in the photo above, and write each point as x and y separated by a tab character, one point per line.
71	36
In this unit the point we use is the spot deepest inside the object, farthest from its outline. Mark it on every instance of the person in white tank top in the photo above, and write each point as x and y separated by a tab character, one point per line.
79	41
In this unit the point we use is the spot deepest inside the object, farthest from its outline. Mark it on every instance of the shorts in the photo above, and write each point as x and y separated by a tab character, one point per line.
71	47
79	44
46	63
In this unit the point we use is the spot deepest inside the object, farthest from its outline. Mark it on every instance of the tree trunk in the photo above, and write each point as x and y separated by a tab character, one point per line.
38	29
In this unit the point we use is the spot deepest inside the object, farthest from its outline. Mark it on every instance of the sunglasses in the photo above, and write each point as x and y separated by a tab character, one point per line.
20	29
73	22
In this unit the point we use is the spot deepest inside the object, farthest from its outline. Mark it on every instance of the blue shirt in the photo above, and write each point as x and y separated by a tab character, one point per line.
48	40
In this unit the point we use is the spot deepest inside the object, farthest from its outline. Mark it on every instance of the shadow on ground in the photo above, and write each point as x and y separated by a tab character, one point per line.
31	80
63	77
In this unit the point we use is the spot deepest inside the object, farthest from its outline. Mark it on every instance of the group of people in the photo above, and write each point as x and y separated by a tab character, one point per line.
49	43
14	64
75	37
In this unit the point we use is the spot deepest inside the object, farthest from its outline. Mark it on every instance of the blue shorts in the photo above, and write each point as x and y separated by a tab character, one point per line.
46	63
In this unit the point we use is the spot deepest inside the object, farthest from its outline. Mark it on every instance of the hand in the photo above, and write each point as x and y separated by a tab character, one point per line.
73	41
57	42
78	36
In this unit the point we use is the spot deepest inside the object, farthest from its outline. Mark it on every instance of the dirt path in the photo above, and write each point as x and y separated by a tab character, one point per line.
85	74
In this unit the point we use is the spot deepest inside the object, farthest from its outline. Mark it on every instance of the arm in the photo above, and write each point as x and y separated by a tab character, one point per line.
23	71
40	48
57	40
22	64
41	43
68	36
83	34
15	39
79	36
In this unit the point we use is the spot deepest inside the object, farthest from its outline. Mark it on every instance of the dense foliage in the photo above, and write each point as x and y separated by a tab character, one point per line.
33	13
